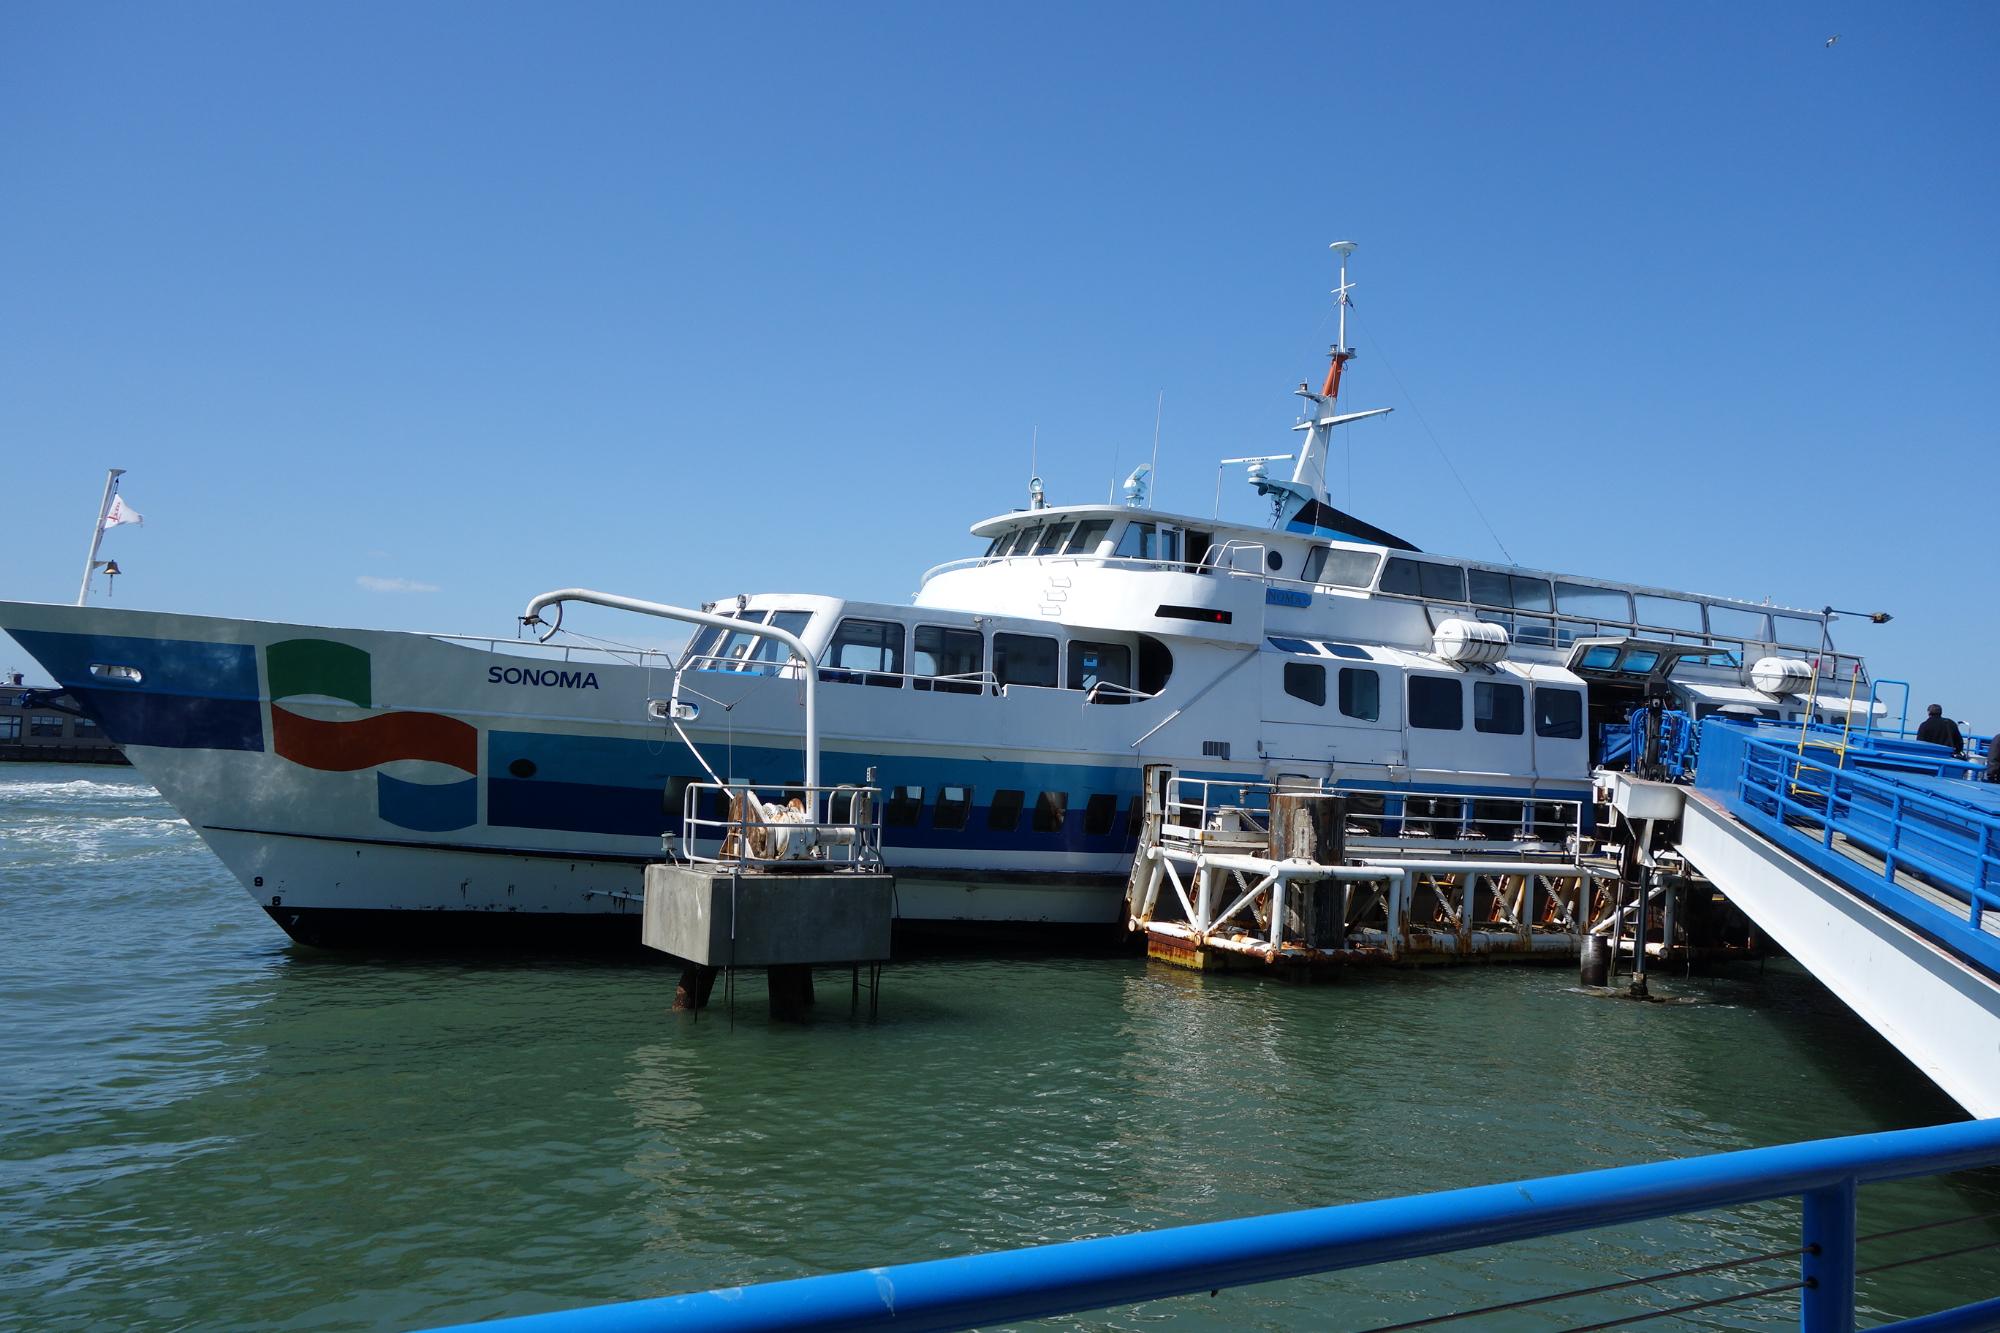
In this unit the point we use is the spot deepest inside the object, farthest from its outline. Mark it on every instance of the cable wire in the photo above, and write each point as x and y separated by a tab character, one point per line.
1471	499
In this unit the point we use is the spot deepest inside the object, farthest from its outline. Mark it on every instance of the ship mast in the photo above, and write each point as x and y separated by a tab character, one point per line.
1308	483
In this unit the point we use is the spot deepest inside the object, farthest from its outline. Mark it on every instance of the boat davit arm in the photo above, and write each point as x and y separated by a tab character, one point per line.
532	617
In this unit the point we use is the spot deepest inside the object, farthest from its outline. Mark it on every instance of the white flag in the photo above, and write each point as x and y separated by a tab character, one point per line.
120	512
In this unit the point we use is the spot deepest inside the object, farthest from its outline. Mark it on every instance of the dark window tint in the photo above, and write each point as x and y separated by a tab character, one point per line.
1497	707
938	651
1360	693
953	804
45	726
1436	704
1099	813
1024	659
83	726
1559	714
10	728
1094	664
1422	578
1489	587
1306	680
905	804
1004	815
1050	809
867	646
1053	538
1088	537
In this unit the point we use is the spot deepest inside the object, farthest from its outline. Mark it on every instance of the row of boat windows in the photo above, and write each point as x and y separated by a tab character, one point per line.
943	658
904	805
1070	537
1583	601
1437	703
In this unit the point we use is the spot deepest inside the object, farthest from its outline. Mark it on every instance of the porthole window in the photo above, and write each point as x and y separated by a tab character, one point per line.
522	768
1273	561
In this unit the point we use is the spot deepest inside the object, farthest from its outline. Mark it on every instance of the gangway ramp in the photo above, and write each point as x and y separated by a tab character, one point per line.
1886	889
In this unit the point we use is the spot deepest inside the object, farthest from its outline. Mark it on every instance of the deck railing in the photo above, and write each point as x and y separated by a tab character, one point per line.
989	1289
1926	855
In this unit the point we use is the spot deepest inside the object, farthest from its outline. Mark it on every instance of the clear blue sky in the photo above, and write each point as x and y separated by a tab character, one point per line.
682	301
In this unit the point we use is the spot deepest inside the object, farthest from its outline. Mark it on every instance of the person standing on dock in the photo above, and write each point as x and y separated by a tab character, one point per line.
1941	730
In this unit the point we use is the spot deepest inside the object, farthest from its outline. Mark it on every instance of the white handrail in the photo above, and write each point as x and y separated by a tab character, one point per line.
532	616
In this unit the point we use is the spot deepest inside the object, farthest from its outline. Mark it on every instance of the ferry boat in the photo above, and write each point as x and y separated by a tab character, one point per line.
380	788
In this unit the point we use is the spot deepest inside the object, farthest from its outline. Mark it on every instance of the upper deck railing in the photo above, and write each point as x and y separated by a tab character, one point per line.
995	1288
1927	855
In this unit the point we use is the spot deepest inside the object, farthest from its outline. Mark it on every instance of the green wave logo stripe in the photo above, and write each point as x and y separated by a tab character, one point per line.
319	666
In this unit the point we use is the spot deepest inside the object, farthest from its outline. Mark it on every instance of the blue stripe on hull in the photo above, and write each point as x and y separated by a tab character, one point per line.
191	696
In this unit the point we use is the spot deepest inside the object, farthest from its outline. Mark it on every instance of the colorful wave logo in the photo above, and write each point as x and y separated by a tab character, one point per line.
296	667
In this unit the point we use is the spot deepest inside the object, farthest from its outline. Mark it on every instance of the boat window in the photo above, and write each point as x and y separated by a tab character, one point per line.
1053	537
1736	623
903	807
1345	650
1024	539
1796	630
1088	537
773	653
1497	707
1004	815
1436	704
1094	664
1024	659
1140	541
1361	693
1156	665
1423	578
1588	603
867	646
1558	714
1530	594
1639	661
1668	612
1349	569
1603	657
1051	809
938	651
953	805
702	644
1489	587
1299	646
1307	681
1098	813
993	547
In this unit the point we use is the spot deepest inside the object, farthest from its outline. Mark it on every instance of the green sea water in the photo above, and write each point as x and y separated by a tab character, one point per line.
205	1126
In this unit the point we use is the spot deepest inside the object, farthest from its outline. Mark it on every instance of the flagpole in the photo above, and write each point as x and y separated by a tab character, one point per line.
111	476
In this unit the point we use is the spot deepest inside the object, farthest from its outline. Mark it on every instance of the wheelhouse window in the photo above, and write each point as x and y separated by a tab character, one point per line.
1361	693
1107	664
1497	707
83	728
1423	578
1025	539
1004	815
954	804
1523	592
997	545
938	650
1149	541
1559	714
1089	535
1051	810
1436	704
1307	681
1024	659
870	651
767	656
1796	631
1053	537
45	726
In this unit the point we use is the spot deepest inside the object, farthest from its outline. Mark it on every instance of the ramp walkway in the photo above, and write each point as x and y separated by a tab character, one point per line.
1884	884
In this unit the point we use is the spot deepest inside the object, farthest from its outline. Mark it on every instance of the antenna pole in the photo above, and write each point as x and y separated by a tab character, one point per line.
111	476
1159	407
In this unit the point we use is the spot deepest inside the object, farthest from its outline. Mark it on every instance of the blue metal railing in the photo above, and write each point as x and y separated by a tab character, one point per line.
1867	829
985	1289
